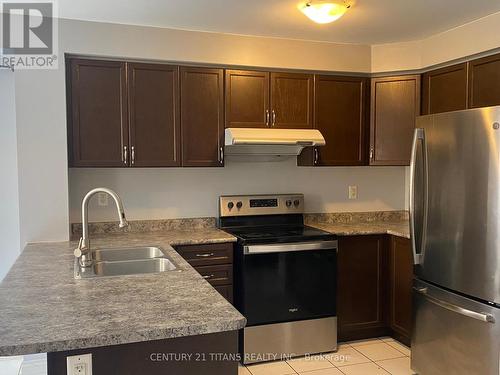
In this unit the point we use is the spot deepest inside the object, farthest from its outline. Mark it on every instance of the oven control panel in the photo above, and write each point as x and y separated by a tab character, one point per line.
245	205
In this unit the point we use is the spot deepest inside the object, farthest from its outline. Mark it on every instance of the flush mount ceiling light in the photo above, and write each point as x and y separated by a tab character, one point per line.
323	12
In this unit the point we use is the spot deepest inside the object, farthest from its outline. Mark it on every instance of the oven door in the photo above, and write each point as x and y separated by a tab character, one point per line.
288	282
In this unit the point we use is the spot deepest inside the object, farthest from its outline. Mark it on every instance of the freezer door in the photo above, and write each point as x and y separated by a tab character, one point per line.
455	201
453	334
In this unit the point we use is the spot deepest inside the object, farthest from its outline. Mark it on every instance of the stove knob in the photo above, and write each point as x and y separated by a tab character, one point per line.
230	205
239	204
288	203
296	203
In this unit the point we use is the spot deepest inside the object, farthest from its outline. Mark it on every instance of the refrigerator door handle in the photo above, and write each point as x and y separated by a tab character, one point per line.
487	318
419	136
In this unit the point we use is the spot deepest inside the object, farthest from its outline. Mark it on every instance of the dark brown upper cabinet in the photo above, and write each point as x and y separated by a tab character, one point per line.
395	104
247	99
260	99
444	89
291	100
341	114
202	117
154	115
97	112
484	82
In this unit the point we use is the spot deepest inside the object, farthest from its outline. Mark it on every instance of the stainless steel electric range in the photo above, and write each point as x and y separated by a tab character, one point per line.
285	277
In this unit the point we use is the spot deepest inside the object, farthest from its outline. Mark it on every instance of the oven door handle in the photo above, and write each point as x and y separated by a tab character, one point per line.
288	247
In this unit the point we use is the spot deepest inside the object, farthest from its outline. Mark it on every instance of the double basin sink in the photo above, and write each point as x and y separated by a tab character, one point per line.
126	261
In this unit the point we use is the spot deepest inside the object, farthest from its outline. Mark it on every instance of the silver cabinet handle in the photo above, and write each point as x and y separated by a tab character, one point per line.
267	117
205	255
316	156
371	153
221	155
132	155
274	119
488	318
125	155
206	277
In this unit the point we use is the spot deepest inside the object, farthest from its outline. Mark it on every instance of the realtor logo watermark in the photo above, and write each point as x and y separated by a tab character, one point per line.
29	34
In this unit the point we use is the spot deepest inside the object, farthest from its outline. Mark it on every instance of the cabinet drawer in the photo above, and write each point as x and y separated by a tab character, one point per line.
226	291
205	255
217	275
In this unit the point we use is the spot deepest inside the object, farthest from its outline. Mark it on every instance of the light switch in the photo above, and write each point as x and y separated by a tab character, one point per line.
353	192
102	199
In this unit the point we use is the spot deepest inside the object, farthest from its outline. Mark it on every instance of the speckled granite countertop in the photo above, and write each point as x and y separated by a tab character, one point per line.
43	309
400	229
348	224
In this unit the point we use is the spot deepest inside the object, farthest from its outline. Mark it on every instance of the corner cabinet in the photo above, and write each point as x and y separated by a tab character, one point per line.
374	293
395	104
256	99
97	113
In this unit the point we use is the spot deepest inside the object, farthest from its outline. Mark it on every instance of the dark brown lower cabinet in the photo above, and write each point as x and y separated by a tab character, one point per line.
214	262
374	294
362	287
400	288
159	357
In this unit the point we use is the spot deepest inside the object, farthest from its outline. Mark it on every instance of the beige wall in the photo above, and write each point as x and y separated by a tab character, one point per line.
204	47
193	192
472	38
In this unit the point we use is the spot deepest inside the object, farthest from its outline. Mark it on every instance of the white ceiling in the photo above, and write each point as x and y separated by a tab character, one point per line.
368	22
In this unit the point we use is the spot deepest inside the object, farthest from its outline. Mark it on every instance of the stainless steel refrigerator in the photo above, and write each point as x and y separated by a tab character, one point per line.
455	227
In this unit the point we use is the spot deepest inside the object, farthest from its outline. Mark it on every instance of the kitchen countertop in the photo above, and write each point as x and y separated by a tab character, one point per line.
395	228
395	223
44	309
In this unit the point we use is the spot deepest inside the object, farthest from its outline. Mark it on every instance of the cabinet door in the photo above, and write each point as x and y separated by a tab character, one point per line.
202	117
292	100
97	128
484	82
395	104
247	99
444	89
362	291
401	278
341	105
154	115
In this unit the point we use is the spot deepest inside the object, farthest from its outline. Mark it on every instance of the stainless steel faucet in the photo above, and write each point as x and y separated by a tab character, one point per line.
83	252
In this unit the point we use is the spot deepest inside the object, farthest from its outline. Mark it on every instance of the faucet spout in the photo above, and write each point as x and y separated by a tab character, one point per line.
83	252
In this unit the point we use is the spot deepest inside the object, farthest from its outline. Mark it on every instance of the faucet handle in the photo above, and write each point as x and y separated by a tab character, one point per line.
78	251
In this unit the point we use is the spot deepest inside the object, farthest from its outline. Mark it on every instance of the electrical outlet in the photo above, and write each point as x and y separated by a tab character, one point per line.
79	364
353	192
102	199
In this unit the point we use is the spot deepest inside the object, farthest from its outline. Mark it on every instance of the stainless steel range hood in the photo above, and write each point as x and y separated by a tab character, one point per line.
271	142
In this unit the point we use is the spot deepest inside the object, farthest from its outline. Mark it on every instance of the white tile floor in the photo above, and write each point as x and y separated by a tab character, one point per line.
381	356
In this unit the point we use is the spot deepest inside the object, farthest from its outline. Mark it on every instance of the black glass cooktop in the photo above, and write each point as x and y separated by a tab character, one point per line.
278	233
